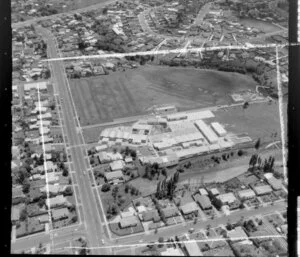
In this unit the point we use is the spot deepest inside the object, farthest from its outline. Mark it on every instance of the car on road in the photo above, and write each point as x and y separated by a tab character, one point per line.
102	241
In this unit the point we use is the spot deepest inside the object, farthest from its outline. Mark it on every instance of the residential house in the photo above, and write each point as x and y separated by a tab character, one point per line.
189	208
114	176
129	222
56	201
203	201
117	165
151	215
169	211
262	190
59	214
192	248
227	198
246	194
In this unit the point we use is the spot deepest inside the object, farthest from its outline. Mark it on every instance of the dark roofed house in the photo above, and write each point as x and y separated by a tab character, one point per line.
35	194
58	214
37	183
34	210
170	212
203	201
151	216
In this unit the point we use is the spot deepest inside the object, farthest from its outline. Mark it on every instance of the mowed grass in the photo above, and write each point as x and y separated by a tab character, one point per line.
123	94
266	27
259	120
77	4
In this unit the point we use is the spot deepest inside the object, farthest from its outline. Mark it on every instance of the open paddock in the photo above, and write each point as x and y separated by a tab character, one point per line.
123	94
259	120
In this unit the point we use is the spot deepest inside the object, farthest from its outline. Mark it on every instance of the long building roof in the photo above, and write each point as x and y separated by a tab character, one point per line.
207	131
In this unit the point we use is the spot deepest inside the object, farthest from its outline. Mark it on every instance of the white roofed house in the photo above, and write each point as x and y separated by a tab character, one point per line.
36	85
192	248
56	201
246	194
104	157
114	177
130	221
227	198
117	165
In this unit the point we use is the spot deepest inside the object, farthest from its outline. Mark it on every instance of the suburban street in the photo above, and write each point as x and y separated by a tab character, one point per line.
183	228
91	220
85	9
59	235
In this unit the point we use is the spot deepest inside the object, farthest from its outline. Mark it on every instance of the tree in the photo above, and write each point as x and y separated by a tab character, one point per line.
164	172
74	219
245	105
68	191
105	187
113	209
240	152
65	172
72	208
41	202
23	215
160	239
26	188
127	187
217	203
115	192
257	144
104	10
133	154
133	191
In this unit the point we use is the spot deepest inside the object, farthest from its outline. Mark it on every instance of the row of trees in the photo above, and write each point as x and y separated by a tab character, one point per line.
166	188
153	169
266	165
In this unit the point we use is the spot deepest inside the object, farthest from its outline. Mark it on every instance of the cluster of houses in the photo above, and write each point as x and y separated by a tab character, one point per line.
144	212
33	143
28	49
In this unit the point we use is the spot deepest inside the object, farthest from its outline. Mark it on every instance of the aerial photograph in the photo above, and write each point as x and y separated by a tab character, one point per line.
149	127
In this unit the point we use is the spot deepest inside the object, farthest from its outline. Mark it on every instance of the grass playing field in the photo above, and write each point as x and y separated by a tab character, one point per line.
258	121
104	98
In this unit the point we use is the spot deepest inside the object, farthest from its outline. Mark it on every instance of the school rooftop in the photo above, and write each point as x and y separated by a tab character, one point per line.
167	139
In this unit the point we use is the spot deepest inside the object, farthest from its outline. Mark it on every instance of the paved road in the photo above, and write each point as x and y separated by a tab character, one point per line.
91	218
55	16
44	238
201	14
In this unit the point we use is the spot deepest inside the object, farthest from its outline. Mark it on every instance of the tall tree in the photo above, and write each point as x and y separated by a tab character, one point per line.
257	144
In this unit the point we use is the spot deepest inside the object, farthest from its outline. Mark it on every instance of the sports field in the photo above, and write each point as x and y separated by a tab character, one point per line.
266	27
123	94
259	120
